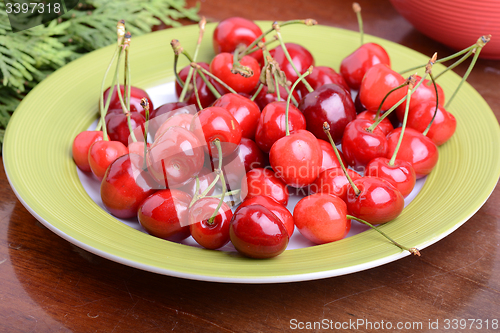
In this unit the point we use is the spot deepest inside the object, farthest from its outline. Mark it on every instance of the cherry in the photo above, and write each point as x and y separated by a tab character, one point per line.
275	207
175	156
217	123
377	82
135	100
264	97
442	127
233	32
180	120
245	111
117	125
211	233
321	218
355	65
330	160
164	112
377	201
205	178
330	103
415	148
264	182
222	65
424	93
320	76
361	146
124	188
301	57
297	158
271	126
385	125
257	233
251	155
102	154
334	181
164	214
400	174
81	146
358	105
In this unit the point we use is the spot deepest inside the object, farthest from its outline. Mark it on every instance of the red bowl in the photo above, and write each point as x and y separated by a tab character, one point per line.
455	23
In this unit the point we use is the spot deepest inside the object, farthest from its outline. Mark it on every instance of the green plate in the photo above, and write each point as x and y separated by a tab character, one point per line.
38	162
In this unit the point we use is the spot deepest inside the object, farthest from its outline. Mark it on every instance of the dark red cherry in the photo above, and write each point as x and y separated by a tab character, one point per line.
217	123
385	125
257	233
330	160
234	31
222	64
401	175
180	120
378	201
135	101
322	75
334	181
264	182
321	218
378	81
272	125
358	105
164	112
264	97
164	214
251	155
175	157
361	146
354	66
275	207
329	103
81	146
210	233
442	127
102	154
424	94
297	158
301	57
415	148
117	125
124	188
245	111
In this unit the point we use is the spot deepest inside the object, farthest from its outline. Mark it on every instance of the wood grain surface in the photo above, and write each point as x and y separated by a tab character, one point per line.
49	285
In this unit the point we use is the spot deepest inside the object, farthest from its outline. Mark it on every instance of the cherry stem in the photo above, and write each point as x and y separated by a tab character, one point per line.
278	95
145	105
357	9
126	111
258	47
387	95
216	142
455	64
309	71
276	27
222	83
308	22
294	101
437	105
196	94
177	77
257	92
99	125
177	48
104	109
405	119
326	129
412	250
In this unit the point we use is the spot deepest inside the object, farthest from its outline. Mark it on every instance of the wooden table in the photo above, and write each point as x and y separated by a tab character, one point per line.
49	285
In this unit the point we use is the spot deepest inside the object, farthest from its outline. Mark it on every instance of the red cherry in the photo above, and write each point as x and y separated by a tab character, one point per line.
415	148
251	155
180	120
175	157
245	111
321	218
377	82
442	127
360	146
264	97
234	31
332	104
136	154
333	181
272	125
401	175
117	125
301	57
222	64
385	125
124	188
297	158
102	154
164	214
135	100
211	234
425	93
330	160
263	182
257	233
81	146
165	111
354	66
216	123
275	207
205	178
378	201
322	75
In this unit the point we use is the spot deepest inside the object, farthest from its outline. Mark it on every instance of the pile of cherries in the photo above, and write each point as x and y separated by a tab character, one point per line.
253	137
